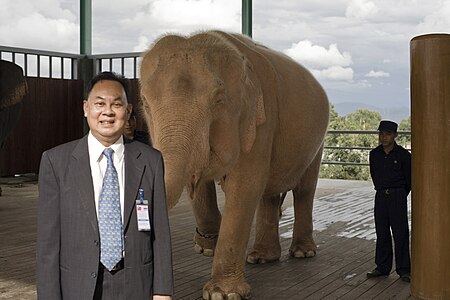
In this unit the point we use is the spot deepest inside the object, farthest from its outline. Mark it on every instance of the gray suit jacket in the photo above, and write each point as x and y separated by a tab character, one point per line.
68	251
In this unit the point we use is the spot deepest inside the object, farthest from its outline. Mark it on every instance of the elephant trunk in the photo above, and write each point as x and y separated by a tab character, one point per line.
174	186
180	149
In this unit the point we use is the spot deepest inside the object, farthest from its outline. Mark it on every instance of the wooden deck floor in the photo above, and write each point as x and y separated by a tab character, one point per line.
344	232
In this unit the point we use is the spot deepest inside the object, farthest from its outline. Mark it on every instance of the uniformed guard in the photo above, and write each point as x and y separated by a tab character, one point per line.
390	168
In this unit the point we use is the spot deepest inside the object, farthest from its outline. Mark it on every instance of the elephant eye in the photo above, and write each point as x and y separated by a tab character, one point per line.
219	100
219	96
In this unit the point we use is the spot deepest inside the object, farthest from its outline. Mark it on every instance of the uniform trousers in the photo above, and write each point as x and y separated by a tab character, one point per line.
391	213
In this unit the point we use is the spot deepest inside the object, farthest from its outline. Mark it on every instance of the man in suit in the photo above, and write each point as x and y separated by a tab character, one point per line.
91	244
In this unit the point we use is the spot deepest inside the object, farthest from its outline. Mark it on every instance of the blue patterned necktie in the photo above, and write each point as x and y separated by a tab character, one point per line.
110	216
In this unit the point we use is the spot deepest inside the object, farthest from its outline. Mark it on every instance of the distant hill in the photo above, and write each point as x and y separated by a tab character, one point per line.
396	114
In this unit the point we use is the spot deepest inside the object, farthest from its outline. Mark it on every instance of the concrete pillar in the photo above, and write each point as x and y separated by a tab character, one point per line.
430	127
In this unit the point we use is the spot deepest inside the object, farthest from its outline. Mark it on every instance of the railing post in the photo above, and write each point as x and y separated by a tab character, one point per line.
86	27
85	64
247	17
430	120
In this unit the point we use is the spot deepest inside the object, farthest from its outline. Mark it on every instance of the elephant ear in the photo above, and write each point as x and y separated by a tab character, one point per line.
254	112
252	95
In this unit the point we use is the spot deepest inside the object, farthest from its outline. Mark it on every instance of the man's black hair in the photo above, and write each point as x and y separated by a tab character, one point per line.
110	76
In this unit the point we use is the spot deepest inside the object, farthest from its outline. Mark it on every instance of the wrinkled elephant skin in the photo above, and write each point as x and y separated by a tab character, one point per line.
222	108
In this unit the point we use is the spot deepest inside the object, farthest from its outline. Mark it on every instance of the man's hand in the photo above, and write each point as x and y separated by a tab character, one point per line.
161	297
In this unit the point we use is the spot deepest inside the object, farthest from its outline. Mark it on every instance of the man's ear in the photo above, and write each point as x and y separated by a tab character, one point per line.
85	107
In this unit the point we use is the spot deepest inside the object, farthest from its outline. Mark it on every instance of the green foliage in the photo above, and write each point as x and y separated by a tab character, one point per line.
404	139
361	119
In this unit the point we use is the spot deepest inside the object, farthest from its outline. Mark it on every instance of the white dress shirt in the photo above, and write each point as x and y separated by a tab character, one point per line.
98	164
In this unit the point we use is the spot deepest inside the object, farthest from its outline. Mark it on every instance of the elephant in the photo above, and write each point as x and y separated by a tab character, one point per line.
223	108
13	88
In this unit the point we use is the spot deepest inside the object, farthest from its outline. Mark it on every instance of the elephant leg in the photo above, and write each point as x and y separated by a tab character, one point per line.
208	217
303	244
227	277
267	240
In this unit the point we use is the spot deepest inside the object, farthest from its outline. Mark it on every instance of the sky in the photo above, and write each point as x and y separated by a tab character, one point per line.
357	49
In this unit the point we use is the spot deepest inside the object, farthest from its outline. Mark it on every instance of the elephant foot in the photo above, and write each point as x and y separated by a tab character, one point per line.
263	256
226	290
303	250
205	243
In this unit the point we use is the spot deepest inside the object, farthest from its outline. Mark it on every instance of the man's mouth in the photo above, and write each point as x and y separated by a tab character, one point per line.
106	122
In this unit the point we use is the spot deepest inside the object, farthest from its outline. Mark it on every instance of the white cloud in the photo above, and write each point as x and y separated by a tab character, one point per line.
317	56
334	73
364	84
324	63
38	24
361	9
143	44
437	21
185	16
186	12
377	74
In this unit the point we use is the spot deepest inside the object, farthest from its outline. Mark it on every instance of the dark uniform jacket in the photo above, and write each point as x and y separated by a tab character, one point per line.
391	170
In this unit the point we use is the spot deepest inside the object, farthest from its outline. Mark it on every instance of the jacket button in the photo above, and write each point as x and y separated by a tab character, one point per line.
96	243
94	275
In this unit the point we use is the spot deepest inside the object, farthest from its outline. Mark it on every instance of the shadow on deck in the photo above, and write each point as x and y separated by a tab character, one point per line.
343	230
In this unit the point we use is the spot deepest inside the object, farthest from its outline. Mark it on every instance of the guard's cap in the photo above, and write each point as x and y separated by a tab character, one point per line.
386	125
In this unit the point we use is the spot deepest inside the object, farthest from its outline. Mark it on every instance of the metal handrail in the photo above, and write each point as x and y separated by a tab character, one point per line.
324	162
47	61
125	68
65	72
38	52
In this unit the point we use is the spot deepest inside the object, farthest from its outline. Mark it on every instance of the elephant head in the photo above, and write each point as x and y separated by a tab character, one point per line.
13	86
203	103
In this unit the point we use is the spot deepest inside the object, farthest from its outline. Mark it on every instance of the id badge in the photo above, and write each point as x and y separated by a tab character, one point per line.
142	213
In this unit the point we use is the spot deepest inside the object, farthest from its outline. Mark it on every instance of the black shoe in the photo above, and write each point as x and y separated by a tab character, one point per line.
375	273
406	277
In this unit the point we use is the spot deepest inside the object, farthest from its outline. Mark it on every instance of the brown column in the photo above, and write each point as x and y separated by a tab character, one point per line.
430	121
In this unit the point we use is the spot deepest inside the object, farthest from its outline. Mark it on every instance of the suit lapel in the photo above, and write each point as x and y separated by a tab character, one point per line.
80	169
134	171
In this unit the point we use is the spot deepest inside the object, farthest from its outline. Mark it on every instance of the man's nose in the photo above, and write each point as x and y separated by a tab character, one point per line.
108	109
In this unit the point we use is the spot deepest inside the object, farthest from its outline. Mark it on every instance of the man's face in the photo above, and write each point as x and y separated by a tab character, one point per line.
130	127
107	111
386	138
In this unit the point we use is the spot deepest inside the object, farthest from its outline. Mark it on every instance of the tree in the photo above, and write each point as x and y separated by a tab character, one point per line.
361	119
404	139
